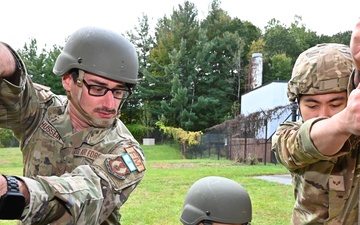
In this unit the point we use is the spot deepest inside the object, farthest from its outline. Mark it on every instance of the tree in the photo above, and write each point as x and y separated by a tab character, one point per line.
280	68
204	64
341	37
173	58
291	41
138	108
176	110
277	38
222	60
40	64
303	38
217	79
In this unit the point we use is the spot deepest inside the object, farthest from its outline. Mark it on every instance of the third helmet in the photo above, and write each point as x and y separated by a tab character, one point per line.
322	69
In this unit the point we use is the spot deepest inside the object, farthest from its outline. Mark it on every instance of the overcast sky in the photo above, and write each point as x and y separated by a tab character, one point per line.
51	21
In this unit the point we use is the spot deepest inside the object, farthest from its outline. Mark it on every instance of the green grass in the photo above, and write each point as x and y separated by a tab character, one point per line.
11	161
159	197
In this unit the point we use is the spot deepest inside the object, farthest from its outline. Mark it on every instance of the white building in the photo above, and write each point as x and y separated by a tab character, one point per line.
265	98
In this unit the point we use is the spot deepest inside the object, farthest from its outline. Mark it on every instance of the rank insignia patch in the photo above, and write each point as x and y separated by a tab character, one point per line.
336	182
117	167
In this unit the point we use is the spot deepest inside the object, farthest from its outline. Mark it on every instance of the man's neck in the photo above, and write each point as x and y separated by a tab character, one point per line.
76	121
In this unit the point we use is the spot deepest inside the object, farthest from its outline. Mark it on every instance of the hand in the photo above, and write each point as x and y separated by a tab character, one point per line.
7	62
22	187
24	190
3	185
349	118
355	44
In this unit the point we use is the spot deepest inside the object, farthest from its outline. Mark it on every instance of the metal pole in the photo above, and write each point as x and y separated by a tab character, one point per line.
245	146
265	121
294	108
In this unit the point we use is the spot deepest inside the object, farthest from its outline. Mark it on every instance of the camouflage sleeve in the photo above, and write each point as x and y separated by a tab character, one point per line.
294	148
17	108
80	197
64	198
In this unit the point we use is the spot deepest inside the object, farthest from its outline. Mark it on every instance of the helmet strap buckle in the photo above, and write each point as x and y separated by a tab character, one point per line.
79	80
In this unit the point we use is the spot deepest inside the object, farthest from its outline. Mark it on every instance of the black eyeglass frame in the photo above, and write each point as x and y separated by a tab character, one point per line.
113	90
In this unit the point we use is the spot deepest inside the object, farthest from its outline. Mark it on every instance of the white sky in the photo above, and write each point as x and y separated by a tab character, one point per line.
51	21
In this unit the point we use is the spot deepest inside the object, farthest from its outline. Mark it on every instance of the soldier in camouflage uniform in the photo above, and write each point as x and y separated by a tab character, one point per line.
80	161
321	150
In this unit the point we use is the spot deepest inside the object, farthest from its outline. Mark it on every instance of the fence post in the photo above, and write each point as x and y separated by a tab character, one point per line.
265	121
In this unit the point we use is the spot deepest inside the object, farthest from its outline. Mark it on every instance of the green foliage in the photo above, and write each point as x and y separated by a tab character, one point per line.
341	37
193	72
180	135
185	138
139	131
137	107
205	78
40	64
280	68
7	138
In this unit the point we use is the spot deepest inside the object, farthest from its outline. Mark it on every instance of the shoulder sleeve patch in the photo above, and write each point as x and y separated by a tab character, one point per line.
117	167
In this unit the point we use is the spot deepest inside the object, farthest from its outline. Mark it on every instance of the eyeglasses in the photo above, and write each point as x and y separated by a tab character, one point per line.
96	90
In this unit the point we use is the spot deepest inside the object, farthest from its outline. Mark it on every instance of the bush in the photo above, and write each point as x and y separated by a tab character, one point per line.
7	139
138	131
252	159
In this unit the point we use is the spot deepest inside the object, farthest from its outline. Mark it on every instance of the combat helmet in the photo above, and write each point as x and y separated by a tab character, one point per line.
101	52
322	69
216	199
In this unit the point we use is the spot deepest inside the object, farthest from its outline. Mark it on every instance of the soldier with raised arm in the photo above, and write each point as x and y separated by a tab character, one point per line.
80	161
321	151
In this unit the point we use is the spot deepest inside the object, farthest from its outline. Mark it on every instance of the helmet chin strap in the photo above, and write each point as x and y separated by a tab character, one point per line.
100	123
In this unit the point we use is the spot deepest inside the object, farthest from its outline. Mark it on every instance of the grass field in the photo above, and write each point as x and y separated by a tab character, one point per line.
159	197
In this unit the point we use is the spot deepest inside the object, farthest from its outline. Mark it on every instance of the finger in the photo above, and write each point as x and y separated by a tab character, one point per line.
356	80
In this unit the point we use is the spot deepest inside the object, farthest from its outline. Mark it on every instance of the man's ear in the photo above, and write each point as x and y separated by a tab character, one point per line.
67	81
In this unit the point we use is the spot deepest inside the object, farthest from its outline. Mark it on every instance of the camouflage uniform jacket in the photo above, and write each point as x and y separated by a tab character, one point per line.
74	177
326	188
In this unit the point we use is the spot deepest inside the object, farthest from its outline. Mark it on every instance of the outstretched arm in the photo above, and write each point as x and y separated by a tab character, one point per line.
329	135
8	65
7	62
355	44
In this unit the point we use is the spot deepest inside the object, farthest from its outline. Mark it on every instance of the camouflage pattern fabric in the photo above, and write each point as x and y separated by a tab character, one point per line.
326	188
322	69
74	177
